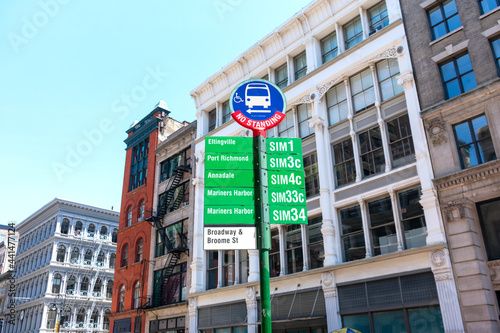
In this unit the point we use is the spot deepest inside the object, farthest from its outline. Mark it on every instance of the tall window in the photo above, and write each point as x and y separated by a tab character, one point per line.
112	260
353	240
84	286
382	226
212	120
311	174
300	65
100	259
212	269
495	46
78	228
285	128
363	93
412	218
65	227
114	236
228	268
457	75
138	250
75	256
51	318
274	254
353	32
336	101
121	299
61	253
70	287
316	248
176	235
244	268
387	70
109	289
474	142
91	230
124	256
139	166
104	232
487	5
294	255
372	153
378	17
170	289
80	317
137	295
87	259
282	76
443	18
304	114
400	141
489	217
226	112
129	216
168	167
142	208
344	165
329	47
97	288
105	323
56	284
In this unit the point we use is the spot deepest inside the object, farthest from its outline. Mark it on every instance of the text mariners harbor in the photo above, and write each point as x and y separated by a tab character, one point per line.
228	211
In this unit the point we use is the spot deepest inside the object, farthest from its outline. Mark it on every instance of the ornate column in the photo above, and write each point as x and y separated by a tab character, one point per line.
282	239
294	114
289	66
366	227
49	282
67	255
329	286
447	292
252	313
313	54
193	314
364	22
58	225
44	316
305	247
237	270
253	268
352	133
220	267
54	251
397	219
198	262
327	228
64	282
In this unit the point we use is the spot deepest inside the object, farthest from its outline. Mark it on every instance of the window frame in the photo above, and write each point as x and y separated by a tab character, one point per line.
300	72
408	138
375	26
124	256
371	153
226	112
212	120
344	163
440	5
306	107
339	103
458	76
356	36
364	91
139	247
481	9
335	50
311	177
136	297
284	81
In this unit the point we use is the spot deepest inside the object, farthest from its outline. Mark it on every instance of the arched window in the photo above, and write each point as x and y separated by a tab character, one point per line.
51	318
80	318
138	250
109	289
100	259
97	288
142	208
84	286
105	324
121	298
78	228
66	316
114	236
93	318
70	288
75	256
56	284
61	253
87	259
112	260
124	256
65	227
91	230
129	216
137	294
104	232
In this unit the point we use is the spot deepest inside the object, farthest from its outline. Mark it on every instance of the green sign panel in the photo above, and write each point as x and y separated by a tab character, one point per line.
229	178
284	146
229	215
285	162
225	144
229	196
286	179
283	196
218	161
288	214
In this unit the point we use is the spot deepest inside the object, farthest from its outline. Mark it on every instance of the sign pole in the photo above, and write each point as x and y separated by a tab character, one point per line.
263	228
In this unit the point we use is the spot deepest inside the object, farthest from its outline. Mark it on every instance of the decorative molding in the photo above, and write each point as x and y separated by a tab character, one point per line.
469	176
442	277
330	293
438	258
317	122
389	53
302	100
198	181
406	79
324	88
454	211
250	294
245	133
436	129
328	279
450	50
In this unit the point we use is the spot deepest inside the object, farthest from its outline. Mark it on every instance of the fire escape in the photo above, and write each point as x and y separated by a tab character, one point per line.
171	201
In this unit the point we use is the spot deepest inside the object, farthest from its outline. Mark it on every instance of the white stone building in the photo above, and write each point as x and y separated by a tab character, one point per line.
65	265
374	254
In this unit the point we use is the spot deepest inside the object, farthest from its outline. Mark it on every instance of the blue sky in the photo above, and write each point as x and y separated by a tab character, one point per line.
75	74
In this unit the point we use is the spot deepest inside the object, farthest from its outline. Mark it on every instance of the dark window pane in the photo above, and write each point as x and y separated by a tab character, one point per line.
359	322
453	88
427	320
354	247
489	216
384	239
448	71
486	150
464	64
389	321
380	211
351	220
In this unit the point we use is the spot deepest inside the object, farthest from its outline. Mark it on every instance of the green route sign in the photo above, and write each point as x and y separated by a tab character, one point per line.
284	146
283	196
229	215
285	162
229	196
229	178
286	179
218	161
228	145
288	214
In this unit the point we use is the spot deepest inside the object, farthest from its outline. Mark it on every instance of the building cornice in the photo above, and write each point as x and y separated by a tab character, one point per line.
467	176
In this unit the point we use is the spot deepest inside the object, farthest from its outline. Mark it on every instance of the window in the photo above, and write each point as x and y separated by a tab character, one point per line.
489	218
412	218
495	46
282	76
295	258
244	268
226	112
300	65
344	165
363	93
378	17
316	248
70	287
114	236
212	269
487	5
129	216
51	318
75	256
353	32
336	101
105	324
65	227
97	288
311	174
353	240
139	165
176	235
285	128
474	142
142	207
168	167
443	18
56	284
179	199
121	298
138	250
400	141
212	120
372	153
329	47
124	256
84	286
109	289
274	254
228	268
104	232
112	260
457	75
304	114
65	315
78	228
382	226
387	70
87	259
61	253
137	295
91	230
80	317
